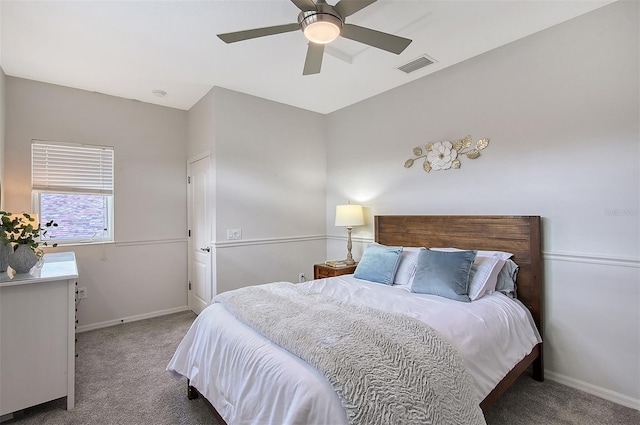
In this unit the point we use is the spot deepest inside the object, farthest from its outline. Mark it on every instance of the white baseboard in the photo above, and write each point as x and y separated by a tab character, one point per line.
593	389
6	417
108	323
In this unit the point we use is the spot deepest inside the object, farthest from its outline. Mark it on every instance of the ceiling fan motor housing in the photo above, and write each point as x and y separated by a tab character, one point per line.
322	25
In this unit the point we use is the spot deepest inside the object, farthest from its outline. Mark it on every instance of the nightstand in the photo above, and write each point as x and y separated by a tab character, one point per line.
322	270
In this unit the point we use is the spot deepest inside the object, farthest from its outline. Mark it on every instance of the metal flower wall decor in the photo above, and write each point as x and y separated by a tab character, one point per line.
445	155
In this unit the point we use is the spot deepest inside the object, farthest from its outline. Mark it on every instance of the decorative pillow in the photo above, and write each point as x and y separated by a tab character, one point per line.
379	263
484	272
444	273
484	276
407	267
506	282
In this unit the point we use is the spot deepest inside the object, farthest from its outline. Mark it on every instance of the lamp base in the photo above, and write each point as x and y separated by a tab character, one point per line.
349	261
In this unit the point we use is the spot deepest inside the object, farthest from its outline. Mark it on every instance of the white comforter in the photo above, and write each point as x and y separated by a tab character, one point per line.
250	380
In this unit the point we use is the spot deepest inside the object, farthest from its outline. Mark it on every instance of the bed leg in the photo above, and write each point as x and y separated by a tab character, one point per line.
538	367
192	393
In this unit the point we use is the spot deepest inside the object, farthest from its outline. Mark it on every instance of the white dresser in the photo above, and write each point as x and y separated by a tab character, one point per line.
37	334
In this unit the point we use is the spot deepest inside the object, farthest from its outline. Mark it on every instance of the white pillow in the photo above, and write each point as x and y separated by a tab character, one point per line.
484	271
500	254
484	276
407	268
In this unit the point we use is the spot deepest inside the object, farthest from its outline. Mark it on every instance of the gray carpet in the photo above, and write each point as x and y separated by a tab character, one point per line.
121	379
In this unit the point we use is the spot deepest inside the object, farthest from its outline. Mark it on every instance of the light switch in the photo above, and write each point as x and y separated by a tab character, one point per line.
234	234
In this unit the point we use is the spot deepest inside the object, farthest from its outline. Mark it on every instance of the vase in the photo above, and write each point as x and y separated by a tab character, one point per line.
22	259
5	250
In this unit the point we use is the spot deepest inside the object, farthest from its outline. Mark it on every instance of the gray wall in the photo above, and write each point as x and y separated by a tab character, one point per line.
2	125
269	163
144	272
562	110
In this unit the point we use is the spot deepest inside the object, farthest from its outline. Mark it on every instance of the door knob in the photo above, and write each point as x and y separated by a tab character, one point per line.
205	249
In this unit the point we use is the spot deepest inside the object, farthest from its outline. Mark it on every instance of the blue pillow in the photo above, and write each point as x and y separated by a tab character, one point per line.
379	263
444	273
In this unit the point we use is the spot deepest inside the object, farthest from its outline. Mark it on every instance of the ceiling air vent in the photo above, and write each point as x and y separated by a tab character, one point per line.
416	64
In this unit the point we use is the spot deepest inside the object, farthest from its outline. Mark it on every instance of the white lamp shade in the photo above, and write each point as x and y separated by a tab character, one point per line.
349	215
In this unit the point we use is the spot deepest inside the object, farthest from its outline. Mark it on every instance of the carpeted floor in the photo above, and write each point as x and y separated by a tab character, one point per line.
121	379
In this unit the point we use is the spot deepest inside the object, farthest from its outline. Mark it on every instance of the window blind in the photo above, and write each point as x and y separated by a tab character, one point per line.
62	167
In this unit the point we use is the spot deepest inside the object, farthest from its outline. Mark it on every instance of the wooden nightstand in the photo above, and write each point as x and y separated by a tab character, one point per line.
322	270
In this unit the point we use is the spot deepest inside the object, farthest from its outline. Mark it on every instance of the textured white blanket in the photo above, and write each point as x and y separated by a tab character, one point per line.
386	368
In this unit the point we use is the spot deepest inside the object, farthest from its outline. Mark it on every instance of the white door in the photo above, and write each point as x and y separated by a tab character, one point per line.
199	221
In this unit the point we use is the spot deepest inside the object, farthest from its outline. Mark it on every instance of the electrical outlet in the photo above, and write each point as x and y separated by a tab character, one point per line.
301	278
234	234
82	293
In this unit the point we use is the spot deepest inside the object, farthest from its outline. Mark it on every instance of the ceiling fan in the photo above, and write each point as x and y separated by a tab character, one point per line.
322	23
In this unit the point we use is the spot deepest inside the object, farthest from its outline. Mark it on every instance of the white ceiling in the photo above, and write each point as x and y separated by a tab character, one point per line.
129	48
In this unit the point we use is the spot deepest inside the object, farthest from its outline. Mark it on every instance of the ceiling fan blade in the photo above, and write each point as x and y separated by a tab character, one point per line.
313	62
232	37
305	5
349	7
381	40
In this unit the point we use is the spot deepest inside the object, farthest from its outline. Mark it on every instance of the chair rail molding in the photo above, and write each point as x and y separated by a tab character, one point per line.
267	241
605	260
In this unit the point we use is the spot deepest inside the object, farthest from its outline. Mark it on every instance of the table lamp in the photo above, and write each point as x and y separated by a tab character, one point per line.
349	216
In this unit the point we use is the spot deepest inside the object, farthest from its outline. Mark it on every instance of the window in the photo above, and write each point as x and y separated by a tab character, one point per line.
72	185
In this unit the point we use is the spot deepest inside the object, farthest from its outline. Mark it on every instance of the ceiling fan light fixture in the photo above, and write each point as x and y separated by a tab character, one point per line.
321	28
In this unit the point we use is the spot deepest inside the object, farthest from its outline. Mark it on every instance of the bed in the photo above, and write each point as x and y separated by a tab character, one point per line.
247	378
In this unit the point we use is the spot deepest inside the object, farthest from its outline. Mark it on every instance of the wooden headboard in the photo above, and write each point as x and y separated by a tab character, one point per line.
519	235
